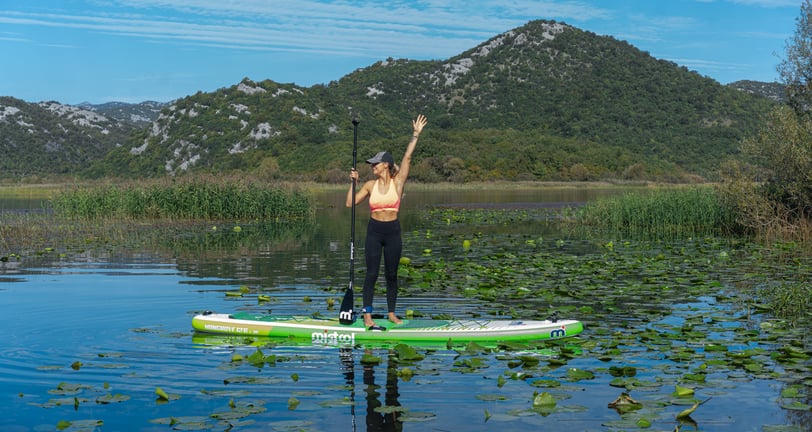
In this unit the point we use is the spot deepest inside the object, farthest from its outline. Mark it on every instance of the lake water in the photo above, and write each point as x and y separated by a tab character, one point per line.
90	336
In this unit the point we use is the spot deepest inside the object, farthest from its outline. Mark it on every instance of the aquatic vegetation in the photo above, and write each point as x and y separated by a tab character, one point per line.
185	199
662	212
791	300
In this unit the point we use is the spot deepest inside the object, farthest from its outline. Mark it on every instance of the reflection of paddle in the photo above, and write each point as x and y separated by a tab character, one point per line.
346	315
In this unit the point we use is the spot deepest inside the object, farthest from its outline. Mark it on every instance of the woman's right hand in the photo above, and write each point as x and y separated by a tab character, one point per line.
353	174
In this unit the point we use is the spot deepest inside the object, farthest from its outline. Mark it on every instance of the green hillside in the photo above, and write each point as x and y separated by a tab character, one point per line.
545	101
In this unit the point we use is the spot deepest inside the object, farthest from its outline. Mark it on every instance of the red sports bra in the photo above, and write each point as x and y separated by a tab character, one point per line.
384	201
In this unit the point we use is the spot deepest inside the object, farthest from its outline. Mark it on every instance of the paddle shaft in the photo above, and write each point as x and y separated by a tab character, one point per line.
352	212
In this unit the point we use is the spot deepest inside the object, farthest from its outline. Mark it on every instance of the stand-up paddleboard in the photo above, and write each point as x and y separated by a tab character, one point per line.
328	331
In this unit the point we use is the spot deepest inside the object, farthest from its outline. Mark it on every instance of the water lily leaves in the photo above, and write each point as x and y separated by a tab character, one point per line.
68	389
500	381
544	403
790	353
239	411
683	391
782	428
544	399
792	392
406	353
491	397
545	383
557	361
259	359
796	406
390	409
164	396
575	374
226	393
473	348
66	401
184	422
625	403
252	380
694	377
417	416
622	371
469	365
337	403
686	413
715	348
79	424
369	359
405	374
112	398
512	346
293	403
627	383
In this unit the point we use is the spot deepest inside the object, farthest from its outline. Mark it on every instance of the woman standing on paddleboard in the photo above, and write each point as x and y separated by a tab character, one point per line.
383	231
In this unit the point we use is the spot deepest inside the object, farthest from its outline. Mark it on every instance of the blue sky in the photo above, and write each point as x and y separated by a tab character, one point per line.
73	51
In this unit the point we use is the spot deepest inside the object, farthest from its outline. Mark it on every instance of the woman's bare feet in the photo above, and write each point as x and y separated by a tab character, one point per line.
368	321
393	318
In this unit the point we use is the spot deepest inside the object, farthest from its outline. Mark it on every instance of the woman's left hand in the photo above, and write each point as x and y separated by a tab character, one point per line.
418	124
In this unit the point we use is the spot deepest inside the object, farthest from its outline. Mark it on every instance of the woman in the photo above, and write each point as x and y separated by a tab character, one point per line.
383	230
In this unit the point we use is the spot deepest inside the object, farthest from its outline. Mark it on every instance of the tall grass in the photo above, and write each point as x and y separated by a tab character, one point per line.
667	212
790	300
196	199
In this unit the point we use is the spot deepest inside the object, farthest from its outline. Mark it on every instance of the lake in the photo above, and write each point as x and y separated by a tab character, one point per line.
94	335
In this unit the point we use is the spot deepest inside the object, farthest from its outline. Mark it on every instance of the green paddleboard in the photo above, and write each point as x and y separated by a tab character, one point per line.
328	331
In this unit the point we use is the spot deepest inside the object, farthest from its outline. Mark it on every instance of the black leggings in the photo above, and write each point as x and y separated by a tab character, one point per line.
383	239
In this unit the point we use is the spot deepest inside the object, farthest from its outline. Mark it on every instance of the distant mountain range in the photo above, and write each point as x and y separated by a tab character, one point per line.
545	101
139	115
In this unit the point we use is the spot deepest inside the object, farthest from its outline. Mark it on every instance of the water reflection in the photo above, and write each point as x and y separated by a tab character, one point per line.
381	416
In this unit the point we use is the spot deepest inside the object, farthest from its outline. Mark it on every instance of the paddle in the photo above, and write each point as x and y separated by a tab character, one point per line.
346	315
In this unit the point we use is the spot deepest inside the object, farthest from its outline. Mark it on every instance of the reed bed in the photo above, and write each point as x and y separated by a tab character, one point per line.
791	300
190	200
666	212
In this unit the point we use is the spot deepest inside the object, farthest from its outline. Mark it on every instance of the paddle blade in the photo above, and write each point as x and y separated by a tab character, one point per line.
346	315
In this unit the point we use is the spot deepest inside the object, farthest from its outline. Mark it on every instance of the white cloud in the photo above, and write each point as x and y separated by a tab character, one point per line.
425	29
770	3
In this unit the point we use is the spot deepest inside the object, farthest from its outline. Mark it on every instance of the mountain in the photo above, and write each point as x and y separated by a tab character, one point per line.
51	138
544	101
775	91
139	114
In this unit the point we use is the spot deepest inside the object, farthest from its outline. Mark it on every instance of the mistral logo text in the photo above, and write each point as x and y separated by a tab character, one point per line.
333	338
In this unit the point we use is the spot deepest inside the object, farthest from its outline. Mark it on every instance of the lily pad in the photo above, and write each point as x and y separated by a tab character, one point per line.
112	398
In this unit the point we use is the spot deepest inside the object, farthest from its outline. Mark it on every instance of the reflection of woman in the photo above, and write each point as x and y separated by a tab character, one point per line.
383	231
389	420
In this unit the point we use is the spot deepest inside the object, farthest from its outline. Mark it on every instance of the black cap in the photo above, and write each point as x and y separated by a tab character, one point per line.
383	156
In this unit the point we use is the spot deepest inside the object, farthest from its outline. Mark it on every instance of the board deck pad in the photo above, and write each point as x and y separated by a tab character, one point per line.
328	331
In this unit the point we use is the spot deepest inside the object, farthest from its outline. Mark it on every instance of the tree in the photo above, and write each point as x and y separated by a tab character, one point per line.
772	190
796	69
